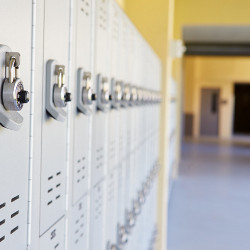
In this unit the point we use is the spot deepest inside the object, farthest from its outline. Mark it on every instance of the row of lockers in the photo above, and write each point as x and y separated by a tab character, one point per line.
80	110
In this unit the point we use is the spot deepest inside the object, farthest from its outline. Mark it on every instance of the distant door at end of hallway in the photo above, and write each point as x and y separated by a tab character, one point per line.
242	108
209	112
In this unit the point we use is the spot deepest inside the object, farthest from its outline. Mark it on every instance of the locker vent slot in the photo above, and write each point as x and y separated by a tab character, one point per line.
115	24
121	146
102	17
15	214
9	218
15	198
2	222
112	151
2	205
111	188
80	170
99	158
54	183
85	7
98	203
80	222
14	229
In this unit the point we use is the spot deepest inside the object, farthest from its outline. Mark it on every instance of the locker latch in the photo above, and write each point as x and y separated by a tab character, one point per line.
116	93
13	95
85	95
57	95
102	93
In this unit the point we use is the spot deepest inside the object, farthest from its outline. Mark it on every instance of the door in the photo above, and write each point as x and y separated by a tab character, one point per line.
209	115
241	107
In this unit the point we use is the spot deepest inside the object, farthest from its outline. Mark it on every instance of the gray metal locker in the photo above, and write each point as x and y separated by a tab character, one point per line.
50	122
14	128
80	122
99	127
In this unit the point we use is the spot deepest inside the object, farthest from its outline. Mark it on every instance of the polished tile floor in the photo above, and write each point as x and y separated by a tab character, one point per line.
209	206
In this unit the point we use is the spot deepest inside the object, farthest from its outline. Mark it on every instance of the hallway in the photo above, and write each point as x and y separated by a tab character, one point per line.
210	202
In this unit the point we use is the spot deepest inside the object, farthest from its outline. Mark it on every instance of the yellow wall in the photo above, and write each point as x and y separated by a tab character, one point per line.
151	19
210	12
217	72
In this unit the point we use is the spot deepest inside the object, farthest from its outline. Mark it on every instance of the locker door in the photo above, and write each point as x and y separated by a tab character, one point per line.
54	237
80	225
50	134
112	182
99	128
15	144
80	124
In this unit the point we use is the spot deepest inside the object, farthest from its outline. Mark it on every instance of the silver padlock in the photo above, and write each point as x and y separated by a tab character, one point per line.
85	95
126	94
111	246
133	96
122	235
136	207
61	96
141	198
57	95
130	221
102	93
13	93
116	93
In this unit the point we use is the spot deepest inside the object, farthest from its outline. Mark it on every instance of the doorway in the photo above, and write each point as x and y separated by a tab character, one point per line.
209	116
242	108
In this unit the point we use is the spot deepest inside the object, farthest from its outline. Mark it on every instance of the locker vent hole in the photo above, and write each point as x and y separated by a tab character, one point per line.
14	230
2	205
54	182
112	151
99	158
98	204
111	188
102	18
11	218
80	224
85	5
81	170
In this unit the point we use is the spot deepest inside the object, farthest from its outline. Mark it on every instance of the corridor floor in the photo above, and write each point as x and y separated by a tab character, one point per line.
210	201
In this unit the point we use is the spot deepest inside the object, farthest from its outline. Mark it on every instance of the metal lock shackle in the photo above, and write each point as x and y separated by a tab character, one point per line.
60	76
11	65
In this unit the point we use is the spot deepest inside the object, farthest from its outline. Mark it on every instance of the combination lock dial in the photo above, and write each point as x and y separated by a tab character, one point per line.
13	94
